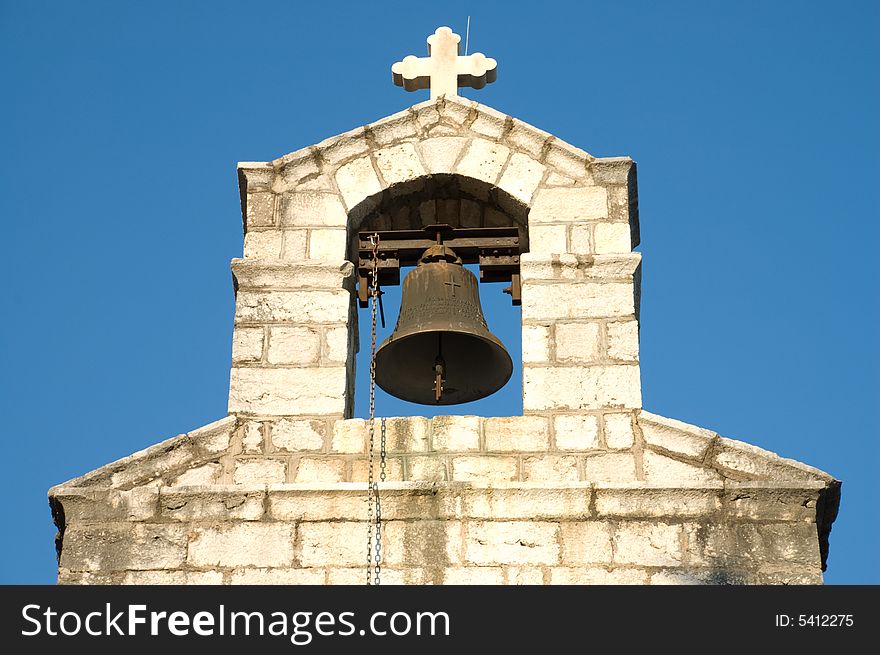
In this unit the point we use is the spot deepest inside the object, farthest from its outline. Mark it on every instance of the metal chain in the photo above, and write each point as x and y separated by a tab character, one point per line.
374	505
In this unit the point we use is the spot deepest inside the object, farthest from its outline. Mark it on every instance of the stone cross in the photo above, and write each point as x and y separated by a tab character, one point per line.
444	70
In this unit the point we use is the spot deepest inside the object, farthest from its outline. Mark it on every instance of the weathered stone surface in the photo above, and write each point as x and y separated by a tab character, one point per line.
424	543
242	544
618	430
123	546
511	542
586	542
580	387
349	436
522	177
585	300
580	239
201	475
484	469
265	244
598	576
748	544
427	468
292	306
260	209
357	180
541	267
550	468
311	470
609	238
548	239
251	275
338	345
535	343
772	501
623	340
517	433
393	470
399	163
578	432
636	500
332	544
528	502
287	391
474	575
327	245
293	345
577	342
441	153
259	471
291	435
648	544
746	460
674	436
247	344
213	503
519	575
456	433
609	467
483	160
173	577
312	209
105	505
665	470
405	435
570	205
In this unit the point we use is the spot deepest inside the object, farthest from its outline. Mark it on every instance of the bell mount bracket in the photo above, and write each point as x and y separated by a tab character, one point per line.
495	249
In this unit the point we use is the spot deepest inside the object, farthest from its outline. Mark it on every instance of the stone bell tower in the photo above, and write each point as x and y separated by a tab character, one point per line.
585	487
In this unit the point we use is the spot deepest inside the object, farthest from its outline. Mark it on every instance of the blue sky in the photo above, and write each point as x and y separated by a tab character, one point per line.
753	124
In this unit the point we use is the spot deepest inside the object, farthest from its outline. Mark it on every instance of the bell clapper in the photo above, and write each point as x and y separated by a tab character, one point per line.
439	370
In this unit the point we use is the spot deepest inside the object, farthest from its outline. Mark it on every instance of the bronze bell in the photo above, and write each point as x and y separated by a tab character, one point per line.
441	351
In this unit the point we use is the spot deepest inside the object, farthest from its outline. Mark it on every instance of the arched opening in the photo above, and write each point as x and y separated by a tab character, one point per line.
460	202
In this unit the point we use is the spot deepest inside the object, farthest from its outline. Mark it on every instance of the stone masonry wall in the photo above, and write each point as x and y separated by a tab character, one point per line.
584	488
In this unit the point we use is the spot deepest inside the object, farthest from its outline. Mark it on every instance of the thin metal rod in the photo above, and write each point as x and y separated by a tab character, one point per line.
467	34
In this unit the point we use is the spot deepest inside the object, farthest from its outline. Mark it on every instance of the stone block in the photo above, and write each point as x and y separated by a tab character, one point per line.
312	208
278	576
287	391
525	138
440	153
293	345
584	300
291	435
660	469
585	542
423	543
740	457
349	436
484	469
550	468
338	543
700	577
213	439
618	430
259	471
610	467
407	434
522	177
747	544
611	238
648	544
123	546
623	340
483	160
260	209
399	163
548	239
247	344
327	245
315	503
265	244
343	146
577	342
511	542
597	576
216	504
357	180
90	504
570	205
536	343
491	124
201	475
580	239
540	267
241	544
428	467
674	436
338	344
578	432
295	246
640	501
312	470
252	438
292	306
455	433
569	501
566	159
396	127
517	434
770	501
393	469
580	387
